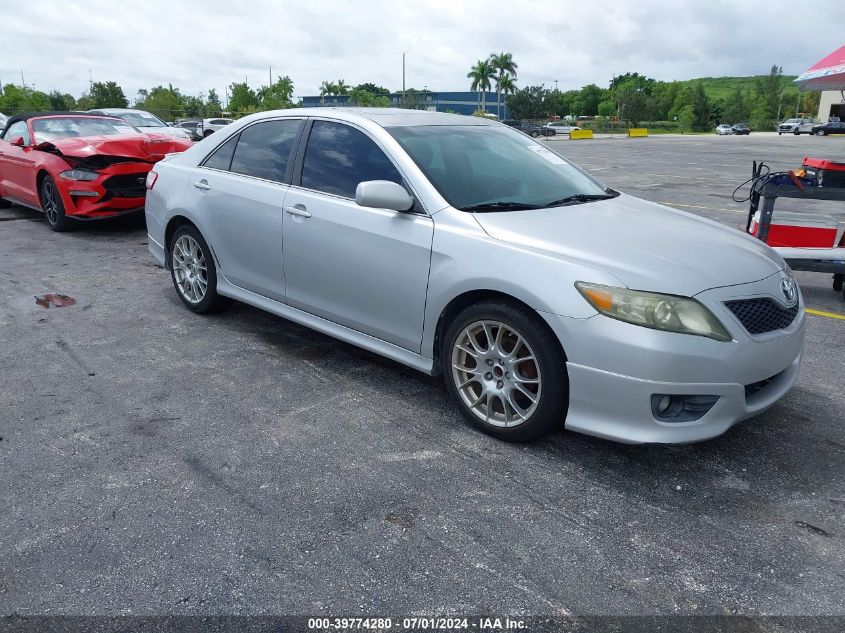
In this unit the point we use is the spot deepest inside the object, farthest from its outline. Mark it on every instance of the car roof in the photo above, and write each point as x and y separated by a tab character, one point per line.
389	117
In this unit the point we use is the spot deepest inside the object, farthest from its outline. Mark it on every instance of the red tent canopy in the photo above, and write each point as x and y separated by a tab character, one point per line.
826	74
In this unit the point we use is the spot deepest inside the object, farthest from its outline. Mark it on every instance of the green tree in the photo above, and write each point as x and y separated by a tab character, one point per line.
243	99
107	95
632	102
528	103
589	98
167	103
327	88
341	86
507	86
213	107
701	109
374	89
61	102
277	96
193	107
504	66
769	92
481	74
736	107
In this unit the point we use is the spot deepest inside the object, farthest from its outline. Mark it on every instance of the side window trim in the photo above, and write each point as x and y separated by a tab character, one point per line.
237	139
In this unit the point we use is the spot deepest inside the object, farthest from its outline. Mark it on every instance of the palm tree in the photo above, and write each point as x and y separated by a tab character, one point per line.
481	74
342	87
505	66
506	86
327	88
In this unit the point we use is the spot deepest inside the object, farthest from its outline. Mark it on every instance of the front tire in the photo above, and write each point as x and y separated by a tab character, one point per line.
506	371
193	272
821	133
53	207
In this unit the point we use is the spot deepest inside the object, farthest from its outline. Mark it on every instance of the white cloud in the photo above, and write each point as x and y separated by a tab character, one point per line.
200	45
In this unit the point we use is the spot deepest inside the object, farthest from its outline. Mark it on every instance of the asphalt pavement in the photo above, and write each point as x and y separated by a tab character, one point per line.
156	461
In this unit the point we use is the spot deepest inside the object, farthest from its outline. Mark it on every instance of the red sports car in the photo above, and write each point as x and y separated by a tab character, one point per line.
77	166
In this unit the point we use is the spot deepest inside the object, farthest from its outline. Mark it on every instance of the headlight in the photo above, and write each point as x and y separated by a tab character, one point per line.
653	310
79	174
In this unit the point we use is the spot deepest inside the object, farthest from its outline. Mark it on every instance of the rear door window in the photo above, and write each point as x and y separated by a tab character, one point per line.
222	157
264	149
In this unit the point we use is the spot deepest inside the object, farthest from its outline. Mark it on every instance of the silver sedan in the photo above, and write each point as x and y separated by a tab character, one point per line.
461	247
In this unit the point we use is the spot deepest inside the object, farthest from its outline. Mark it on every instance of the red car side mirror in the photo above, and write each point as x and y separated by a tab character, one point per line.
18	141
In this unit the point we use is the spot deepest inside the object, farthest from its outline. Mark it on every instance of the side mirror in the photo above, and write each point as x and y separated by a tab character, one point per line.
18	141
383	194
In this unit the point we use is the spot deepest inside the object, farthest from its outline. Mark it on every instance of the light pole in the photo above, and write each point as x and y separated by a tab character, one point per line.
403	79
555	85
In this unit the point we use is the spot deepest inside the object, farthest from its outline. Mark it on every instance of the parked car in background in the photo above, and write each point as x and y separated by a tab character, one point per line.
78	166
824	129
529	128
541	295
724	129
561	127
796	126
741	128
190	127
142	120
210	126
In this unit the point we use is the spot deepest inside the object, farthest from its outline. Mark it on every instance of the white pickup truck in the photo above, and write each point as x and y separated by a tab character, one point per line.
796	126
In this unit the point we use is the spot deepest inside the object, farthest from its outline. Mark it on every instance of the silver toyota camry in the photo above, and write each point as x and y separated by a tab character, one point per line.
459	246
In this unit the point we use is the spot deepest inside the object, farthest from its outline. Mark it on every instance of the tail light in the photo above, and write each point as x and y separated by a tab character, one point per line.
151	180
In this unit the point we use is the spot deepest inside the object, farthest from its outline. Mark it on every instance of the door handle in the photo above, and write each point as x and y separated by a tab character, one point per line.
202	184
302	213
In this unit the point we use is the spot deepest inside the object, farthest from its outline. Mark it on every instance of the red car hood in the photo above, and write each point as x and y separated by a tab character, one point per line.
148	148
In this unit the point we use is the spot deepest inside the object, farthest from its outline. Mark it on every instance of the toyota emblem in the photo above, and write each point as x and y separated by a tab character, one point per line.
787	287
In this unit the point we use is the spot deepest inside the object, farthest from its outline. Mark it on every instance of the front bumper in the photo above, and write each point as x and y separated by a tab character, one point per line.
100	198
615	368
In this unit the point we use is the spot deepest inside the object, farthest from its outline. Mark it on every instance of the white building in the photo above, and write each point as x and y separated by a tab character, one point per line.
832	104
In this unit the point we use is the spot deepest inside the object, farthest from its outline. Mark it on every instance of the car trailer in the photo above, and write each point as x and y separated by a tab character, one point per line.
807	241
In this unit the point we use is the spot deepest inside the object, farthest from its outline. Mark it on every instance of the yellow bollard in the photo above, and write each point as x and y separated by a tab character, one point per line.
574	135
637	131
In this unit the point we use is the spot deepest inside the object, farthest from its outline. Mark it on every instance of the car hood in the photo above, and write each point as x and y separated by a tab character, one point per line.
86	150
645	245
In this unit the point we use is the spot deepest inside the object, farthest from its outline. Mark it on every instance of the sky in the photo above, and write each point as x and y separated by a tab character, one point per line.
197	45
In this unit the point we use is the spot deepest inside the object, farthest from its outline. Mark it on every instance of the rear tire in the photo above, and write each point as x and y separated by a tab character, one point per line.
193	272
53	207
506	371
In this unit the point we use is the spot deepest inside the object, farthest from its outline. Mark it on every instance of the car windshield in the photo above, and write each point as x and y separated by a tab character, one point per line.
141	119
793	121
495	168
65	127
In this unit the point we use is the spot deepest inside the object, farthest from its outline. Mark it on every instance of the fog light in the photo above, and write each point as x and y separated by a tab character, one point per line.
681	408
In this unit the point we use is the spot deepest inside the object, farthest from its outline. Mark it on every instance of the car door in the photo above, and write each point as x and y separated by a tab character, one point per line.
361	267
17	174
238	193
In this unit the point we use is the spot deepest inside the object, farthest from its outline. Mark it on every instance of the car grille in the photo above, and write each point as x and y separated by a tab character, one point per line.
125	186
759	316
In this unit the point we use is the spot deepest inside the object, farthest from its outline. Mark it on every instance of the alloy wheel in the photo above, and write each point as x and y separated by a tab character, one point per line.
189	268
496	373
49	201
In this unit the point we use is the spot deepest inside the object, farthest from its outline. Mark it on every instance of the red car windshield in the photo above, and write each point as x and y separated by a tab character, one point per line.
51	129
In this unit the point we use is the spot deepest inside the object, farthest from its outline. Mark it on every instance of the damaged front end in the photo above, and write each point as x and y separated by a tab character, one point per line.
98	184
